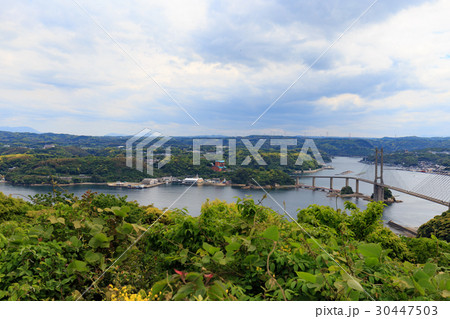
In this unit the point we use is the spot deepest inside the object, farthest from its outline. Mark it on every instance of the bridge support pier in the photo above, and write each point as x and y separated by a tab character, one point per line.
346	181
314	182
297	181
357	186
378	193
331	183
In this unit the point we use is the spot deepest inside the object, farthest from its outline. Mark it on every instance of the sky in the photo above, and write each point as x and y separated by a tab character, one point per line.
183	68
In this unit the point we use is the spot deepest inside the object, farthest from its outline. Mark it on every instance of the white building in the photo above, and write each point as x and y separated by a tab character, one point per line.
149	181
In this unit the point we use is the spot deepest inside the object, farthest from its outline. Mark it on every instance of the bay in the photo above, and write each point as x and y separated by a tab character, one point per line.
412	212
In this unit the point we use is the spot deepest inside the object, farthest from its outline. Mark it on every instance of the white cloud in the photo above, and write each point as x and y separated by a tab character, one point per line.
235	56
342	101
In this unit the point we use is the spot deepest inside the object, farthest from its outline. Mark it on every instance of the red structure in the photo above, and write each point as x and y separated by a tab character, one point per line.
219	166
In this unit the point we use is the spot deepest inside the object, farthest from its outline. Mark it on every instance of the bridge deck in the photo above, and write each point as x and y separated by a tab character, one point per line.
398	189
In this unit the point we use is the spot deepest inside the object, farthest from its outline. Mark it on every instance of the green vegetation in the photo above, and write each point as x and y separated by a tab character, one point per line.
71	164
439	226
57	246
263	177
427	157
28	158
388	193
347	190
32	170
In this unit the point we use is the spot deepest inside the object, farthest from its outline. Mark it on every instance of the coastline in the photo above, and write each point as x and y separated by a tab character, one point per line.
61	185
414	169
310	171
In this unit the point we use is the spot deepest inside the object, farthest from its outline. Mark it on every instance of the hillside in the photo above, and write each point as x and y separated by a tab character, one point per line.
333	146
60	248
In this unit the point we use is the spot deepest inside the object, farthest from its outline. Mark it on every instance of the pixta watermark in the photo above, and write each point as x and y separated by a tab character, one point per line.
146	141
141	149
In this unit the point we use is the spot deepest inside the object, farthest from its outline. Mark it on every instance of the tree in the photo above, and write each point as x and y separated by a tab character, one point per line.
439	226
387	193
347	190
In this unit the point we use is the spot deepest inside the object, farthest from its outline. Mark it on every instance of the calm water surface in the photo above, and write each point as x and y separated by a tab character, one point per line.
411	212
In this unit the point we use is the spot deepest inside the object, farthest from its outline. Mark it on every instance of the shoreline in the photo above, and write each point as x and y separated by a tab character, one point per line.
60	185
409	169
310	171
400	229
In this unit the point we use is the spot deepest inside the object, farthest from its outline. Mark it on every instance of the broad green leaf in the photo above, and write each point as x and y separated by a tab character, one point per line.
419	288
251	259
193	276
36	231
120	211
420	274
184	252
370	250
92	257
307	276
271	233
218	255
48	232
95	229
52	219
77	265
426	284
430	269
314	243
3	241
210	249
206	259
352	283
184	291
76	224
371	261
354	295
125	228
159	286
75	242
232	247
98	221
295	245
99	240
216	291
17	238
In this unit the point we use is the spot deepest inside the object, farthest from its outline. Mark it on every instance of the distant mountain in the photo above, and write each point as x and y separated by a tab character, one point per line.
115	134
332	146
18	129
206	136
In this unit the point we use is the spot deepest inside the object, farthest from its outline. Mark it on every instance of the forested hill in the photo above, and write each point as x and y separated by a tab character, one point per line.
33	140
333	146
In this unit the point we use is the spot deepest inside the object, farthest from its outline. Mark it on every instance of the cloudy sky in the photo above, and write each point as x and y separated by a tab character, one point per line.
213	67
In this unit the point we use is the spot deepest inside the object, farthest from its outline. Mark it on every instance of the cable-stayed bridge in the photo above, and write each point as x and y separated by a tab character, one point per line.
433	187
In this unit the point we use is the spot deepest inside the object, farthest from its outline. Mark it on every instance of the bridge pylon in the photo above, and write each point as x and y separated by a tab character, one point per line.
378	186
